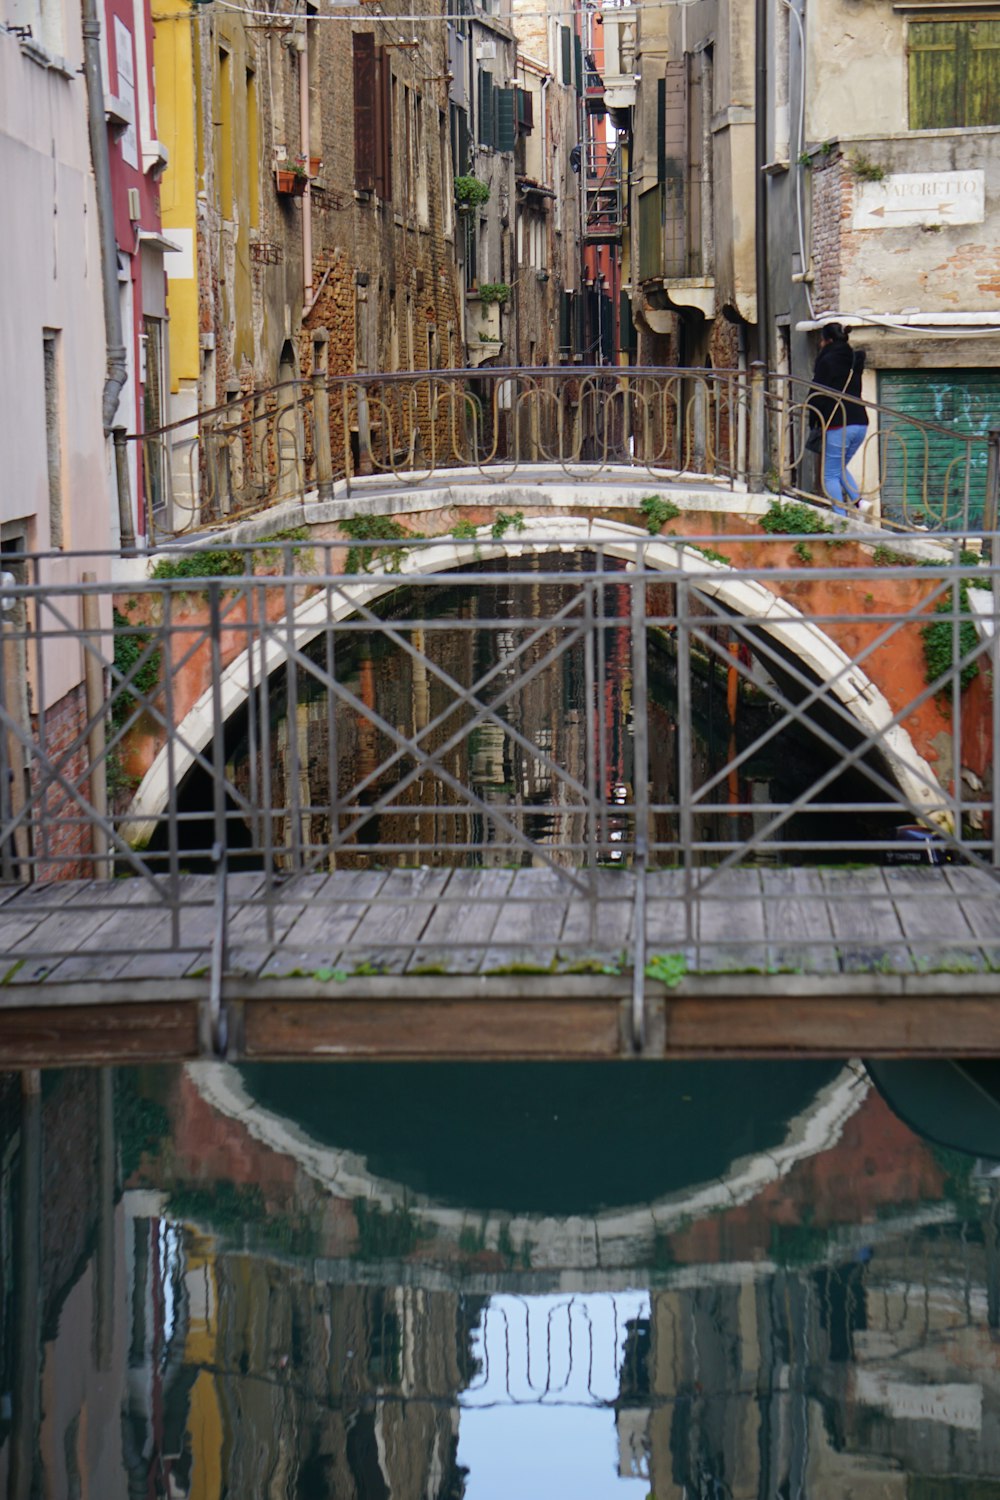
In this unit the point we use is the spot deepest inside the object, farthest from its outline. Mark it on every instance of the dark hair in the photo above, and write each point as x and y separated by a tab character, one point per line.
835	332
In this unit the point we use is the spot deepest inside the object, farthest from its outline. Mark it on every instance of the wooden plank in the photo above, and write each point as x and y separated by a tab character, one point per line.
934	922
833	1026
797	922
978	894
601	931
425	1029
667	927
105	951
384	935
465	915
865	923
103	1033
729	928
249	942
530	922
316	937
159	957
60	932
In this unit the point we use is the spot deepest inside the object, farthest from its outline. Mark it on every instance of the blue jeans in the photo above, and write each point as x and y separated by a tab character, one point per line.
841	445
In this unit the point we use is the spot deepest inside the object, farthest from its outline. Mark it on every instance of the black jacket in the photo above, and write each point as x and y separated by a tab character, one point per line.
831	370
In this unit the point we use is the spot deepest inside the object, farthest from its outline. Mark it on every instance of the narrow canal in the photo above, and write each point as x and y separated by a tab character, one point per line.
375	1281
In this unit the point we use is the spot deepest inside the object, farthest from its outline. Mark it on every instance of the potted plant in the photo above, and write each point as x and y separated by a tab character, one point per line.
470	193
315	166
291	177
494	291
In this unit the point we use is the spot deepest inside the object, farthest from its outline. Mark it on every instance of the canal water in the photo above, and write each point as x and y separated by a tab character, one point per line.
405	681
481	1281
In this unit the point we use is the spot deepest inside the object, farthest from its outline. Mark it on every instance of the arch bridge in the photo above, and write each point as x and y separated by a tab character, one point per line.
527	851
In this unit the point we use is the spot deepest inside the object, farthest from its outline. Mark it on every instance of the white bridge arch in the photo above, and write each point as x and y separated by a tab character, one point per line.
790	631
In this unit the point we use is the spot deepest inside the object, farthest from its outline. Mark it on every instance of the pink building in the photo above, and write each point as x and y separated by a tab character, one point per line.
137	163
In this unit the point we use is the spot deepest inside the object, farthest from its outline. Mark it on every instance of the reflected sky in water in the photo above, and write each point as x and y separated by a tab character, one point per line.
483	1281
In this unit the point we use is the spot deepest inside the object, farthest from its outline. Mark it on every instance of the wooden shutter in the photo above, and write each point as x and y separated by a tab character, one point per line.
661	129
364	111
463	143
651	233
577	63
505	127
934	74
566	37
982	74
566	323
525	111
485	136
383	125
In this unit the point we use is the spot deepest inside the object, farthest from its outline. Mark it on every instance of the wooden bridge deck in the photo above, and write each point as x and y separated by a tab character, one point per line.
495	963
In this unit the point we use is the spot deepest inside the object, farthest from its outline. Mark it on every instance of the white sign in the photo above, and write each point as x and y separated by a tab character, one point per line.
956	1405
907	198
126	92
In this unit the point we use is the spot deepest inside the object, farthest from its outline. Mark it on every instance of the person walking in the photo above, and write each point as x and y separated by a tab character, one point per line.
837	414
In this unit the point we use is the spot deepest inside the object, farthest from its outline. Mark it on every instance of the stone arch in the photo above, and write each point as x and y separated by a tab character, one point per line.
791	632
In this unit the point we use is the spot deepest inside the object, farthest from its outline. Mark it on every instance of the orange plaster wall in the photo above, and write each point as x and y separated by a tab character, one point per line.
849	610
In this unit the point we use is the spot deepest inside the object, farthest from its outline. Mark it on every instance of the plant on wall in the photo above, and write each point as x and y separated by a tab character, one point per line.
470	192
494	291
866	170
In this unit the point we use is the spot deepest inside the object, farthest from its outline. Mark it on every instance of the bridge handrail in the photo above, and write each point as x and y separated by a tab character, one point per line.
202	679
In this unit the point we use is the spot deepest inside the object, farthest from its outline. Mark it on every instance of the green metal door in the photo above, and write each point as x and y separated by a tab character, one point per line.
929	472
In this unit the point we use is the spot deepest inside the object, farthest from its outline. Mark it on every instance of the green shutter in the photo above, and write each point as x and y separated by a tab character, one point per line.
464	155
567	54
926	469
661	129
505	121
577	62
566	323
933	70
627	333
651	233
982	75
486	117
954	74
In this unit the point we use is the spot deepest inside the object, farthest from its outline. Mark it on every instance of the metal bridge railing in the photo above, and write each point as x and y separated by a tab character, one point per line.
265	446
730	427
637	705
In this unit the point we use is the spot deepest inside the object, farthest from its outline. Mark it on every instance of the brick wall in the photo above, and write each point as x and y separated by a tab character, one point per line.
61	850
831	206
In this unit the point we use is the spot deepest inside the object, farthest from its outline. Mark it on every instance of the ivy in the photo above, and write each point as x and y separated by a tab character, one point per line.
494	291
131	642
374	529
793	519
506	521
657	512
939	639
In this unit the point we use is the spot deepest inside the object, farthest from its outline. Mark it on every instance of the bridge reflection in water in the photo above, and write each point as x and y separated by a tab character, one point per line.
206	1294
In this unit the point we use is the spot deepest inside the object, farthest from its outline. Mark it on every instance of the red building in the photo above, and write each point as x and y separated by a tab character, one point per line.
138	161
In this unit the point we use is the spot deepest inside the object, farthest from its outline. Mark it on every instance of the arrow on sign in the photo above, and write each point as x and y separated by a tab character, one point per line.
881	211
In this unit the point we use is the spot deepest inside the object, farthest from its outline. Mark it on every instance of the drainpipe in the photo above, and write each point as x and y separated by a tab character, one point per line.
760	195
117	369
302	43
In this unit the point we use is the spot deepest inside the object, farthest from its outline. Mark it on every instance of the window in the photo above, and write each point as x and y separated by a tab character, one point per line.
52	376
954	74
372	117
225	124
253	148
153	414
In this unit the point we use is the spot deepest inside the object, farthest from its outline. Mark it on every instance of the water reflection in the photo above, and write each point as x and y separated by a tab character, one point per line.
206	1292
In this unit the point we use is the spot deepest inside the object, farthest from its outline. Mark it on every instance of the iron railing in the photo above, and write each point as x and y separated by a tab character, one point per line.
637	719
732	428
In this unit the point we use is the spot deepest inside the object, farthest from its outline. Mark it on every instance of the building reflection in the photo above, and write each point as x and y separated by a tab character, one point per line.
188	1309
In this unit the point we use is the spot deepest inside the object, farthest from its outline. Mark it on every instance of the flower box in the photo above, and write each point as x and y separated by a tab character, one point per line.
290	181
